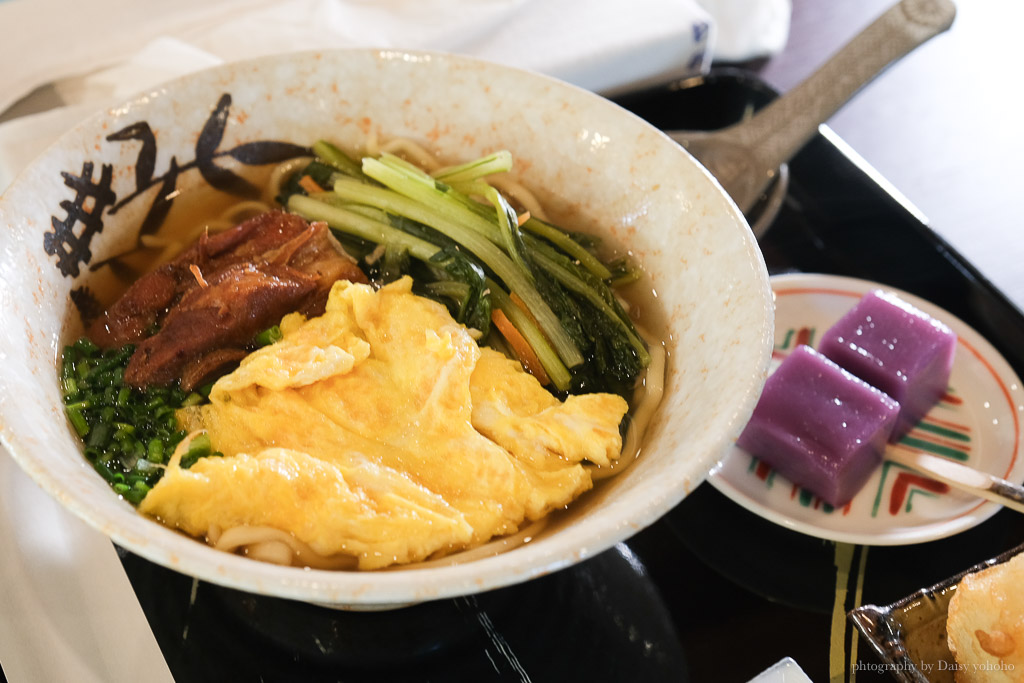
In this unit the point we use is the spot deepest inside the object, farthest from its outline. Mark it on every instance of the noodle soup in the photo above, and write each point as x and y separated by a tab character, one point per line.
92	195
503	432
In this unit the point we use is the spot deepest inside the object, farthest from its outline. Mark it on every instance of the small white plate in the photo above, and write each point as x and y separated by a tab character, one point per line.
977	423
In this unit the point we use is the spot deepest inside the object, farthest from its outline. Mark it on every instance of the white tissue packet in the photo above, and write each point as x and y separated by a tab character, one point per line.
591	43
93	54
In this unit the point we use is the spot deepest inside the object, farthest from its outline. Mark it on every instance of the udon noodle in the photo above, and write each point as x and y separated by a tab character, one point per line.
646	398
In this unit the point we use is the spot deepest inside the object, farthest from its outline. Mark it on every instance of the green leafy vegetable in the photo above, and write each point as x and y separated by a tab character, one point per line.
464	245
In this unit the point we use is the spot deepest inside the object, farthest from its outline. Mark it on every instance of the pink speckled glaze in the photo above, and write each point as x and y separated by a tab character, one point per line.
597	163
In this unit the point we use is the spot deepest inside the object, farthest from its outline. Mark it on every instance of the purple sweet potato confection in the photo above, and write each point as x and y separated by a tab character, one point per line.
894	346
820	426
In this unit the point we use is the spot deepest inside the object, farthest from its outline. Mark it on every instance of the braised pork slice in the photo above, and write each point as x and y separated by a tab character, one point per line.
210	302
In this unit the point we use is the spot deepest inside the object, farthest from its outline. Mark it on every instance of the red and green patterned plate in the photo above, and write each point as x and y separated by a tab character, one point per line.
978	422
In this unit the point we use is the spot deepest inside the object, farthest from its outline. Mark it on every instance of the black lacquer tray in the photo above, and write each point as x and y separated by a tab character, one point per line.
709	593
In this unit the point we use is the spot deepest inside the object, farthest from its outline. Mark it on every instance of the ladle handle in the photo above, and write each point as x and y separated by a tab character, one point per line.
779	130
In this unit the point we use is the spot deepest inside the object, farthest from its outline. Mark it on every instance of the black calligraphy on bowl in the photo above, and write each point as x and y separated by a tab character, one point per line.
92	197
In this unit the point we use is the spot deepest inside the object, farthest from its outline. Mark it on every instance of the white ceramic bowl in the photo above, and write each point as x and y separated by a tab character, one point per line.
605	168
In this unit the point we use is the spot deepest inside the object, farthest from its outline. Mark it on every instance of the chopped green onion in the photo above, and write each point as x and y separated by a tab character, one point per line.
77	419
155	451
86	346
269	336
99	436
200	445
128	434
194	399
124	428
135	495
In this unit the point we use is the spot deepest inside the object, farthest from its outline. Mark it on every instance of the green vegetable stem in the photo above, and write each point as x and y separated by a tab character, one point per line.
465	246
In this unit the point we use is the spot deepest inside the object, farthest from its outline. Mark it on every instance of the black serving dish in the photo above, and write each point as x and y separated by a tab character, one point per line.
711	592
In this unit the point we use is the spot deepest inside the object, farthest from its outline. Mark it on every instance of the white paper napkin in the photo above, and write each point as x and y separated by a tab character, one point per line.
67	610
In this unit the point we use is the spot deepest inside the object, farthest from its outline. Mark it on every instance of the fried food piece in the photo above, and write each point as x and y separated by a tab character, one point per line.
985	624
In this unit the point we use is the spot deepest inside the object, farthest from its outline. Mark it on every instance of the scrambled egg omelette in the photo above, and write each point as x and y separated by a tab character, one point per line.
383	431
